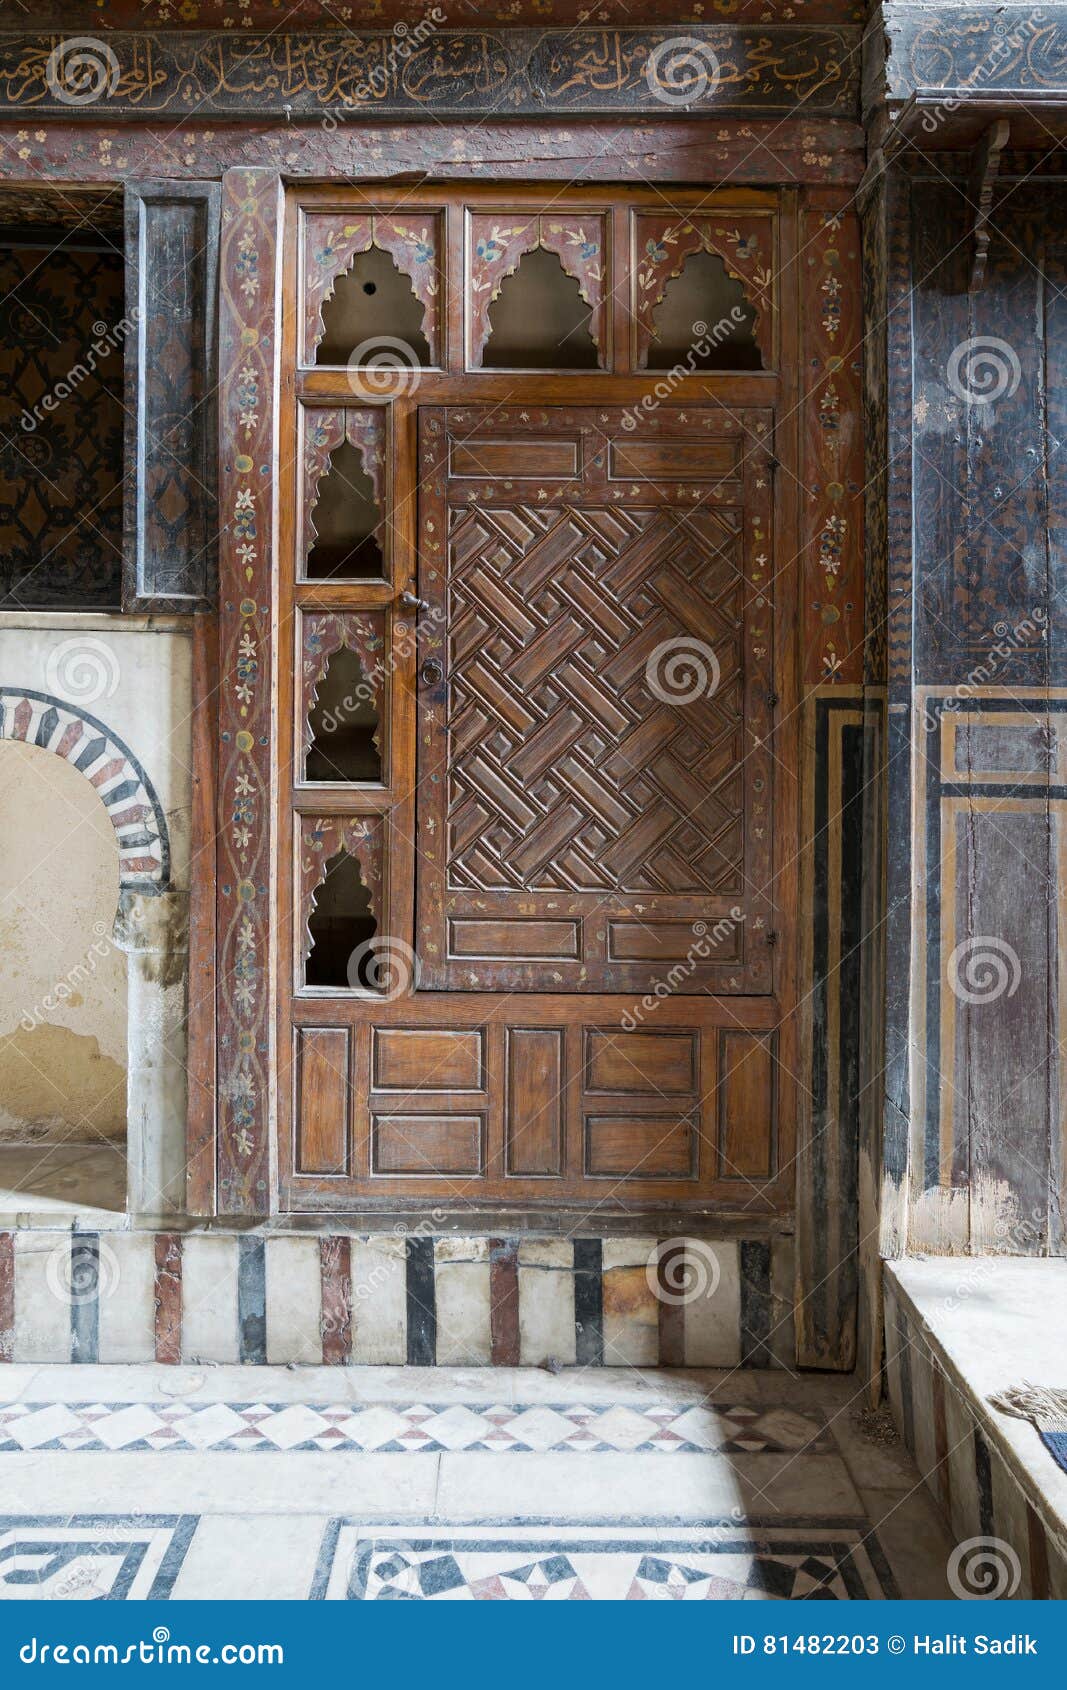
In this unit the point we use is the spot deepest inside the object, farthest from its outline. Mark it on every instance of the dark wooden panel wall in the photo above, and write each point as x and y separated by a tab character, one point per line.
977	768
170	560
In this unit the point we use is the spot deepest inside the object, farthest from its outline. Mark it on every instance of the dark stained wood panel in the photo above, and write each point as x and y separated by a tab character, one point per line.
430	1146
661	1063
639	1147
322	1080
429	1059
747	1106
534	1122
171	520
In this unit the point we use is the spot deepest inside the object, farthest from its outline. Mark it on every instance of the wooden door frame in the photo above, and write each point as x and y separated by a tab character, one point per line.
827	655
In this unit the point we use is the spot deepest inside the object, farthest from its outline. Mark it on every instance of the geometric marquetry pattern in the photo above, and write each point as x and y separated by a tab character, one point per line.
567	772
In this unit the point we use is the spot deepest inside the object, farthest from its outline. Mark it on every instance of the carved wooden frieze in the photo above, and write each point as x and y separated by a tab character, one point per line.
530	72
325	429
333	241
672	148
498	243
321	838
263	14
832	425
745	242
323	633
249	379
975	50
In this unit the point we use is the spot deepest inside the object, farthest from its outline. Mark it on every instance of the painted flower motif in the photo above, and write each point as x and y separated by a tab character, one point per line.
656	250
488	250
588	249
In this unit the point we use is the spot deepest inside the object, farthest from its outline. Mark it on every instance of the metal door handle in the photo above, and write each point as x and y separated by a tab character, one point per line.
411	601
432	672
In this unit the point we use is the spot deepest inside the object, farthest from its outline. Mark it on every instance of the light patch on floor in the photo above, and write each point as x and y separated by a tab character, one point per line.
508	1484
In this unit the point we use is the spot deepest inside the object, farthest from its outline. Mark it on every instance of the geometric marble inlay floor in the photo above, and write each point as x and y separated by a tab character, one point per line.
442	1484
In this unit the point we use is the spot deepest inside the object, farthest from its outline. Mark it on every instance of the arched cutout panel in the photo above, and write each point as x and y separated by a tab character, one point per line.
341	924
373	312
340	908
344	522
665	249
539	320
362	273
704	321
343	723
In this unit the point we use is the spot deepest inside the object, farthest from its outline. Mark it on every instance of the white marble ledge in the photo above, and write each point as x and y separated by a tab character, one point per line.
995	1322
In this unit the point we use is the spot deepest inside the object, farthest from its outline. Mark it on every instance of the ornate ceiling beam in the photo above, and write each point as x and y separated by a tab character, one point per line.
729	69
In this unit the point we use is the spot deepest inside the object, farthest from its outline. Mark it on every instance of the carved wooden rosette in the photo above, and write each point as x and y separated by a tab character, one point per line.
322	634
363	426
332	242
746	245
498	245
831	368
321	838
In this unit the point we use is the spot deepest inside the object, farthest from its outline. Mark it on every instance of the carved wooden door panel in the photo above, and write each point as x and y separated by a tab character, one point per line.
595	700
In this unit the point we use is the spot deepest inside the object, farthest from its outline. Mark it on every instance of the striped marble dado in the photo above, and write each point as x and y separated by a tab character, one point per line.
999	1533
394	1299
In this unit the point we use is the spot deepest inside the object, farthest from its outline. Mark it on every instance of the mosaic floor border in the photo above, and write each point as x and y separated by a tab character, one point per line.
796	1561
347	1427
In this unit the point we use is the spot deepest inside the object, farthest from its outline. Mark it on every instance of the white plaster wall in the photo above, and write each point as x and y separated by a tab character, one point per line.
59	870
62	981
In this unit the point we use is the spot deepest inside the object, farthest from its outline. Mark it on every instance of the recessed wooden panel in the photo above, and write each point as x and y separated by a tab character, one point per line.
513	938
520	459
427	1059
322	1100
679	460
428	1145
594	698
747	1106
533	1128
674	941
636	1147
662	1064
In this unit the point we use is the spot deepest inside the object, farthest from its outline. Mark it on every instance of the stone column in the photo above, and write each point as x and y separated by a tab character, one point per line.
153	931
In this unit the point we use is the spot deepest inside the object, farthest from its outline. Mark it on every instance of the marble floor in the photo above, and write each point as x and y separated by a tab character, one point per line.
503	1484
